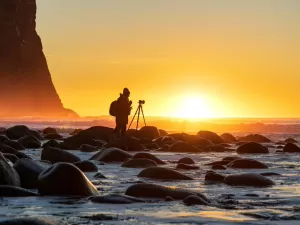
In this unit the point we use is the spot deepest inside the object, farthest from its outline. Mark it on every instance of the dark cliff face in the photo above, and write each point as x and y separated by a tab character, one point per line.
26	87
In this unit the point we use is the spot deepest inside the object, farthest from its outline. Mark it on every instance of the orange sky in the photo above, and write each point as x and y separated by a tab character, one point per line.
233	59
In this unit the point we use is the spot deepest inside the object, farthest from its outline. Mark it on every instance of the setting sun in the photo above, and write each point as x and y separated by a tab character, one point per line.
193	107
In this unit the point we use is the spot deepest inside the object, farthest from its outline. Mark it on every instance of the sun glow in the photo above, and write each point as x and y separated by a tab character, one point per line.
193	107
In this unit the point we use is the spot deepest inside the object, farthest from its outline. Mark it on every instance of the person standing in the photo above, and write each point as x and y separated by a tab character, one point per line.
123	111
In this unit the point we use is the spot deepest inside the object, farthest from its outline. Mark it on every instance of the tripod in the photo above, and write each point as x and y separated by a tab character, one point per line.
138	112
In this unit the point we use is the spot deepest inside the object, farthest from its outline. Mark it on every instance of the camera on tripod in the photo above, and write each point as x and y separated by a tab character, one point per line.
142	102
138	112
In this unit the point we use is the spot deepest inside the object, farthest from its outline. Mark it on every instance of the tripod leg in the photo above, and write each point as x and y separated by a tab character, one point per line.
137	124
143	115
133	118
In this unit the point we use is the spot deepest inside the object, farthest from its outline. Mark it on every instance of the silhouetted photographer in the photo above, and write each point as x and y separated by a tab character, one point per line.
121	109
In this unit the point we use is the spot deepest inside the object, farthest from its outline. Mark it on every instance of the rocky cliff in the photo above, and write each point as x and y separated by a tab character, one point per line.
26	87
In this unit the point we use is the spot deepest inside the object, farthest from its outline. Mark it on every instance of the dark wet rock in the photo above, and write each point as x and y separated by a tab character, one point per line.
194	200
53	137
139	163
29	171
86	166
213	137
291	148
55	155
178	136
116	199
183	147
162	132
76	131
3	138
218	163
30	142
127	143
145	155
214	177
51	143
149	132
186	160
10	150
14	144
112	155
255	138
247	164
99	217
146	190
31	221
186	167
89	136
248	179
88	148
270	174
99	176
12	191
168	139
169	199
290	140
252	148
197	141
11	157
49	130
228	138
218	167
65	179
8	175
17	132
230	158
163	174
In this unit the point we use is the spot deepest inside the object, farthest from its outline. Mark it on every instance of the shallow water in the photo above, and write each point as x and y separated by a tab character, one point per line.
279	204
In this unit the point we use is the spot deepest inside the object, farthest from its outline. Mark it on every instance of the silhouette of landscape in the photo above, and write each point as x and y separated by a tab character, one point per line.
188	153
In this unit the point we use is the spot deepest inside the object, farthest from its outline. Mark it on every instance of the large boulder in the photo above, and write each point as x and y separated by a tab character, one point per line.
248	179
65	179
115	199
161	173
291	148
86	166
30	142
146	155
17	132
162	132
12	191
247	164
51	143
3	138
55	155
31	221
49	130
111	155
89	136
186	160
255	138
139	163
212	177
198	141
290	140
149	132
213	137
146	190
14	144
29	171
8	175
183	147
228	138
10	150
252	148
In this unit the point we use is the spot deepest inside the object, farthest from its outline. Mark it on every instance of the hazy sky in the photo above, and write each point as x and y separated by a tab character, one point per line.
218	58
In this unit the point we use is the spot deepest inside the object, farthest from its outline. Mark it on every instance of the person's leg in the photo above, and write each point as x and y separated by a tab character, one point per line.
123	130
118	127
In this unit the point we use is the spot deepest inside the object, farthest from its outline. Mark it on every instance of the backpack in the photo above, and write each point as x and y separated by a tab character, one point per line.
113	109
